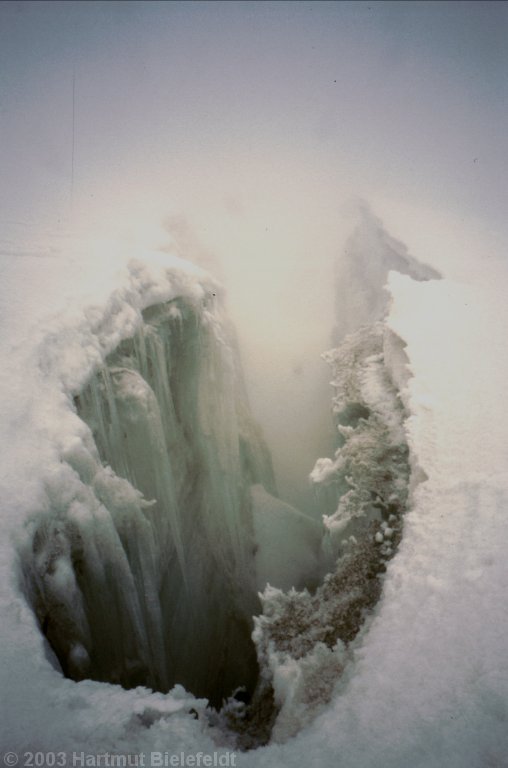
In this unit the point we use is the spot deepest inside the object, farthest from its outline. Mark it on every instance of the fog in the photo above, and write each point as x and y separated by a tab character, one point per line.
244	132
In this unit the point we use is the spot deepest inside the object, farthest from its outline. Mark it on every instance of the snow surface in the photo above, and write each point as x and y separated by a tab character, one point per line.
428	686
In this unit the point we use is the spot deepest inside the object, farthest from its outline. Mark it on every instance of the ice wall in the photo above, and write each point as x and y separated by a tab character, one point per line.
304	639
142	570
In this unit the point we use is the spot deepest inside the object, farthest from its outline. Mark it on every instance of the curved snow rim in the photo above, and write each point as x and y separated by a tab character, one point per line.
154	279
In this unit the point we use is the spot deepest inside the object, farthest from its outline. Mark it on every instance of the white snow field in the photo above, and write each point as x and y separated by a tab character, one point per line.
425	683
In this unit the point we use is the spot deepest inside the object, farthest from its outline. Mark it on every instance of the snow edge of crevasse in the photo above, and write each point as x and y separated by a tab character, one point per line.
307	642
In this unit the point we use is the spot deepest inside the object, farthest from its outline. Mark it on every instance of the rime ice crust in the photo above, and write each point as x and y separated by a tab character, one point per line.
303	639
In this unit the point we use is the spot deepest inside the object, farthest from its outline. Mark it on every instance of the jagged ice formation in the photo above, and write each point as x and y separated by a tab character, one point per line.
142	568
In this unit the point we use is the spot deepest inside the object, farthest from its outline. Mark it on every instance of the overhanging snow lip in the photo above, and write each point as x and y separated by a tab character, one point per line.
101	328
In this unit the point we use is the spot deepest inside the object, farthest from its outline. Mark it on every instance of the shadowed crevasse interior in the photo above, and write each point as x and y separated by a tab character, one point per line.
143	570
304	639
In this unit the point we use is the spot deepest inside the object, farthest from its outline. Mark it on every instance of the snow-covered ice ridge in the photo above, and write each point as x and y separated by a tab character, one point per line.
147	538
306	641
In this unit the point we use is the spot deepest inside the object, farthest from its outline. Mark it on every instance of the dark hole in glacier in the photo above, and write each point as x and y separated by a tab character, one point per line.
352	413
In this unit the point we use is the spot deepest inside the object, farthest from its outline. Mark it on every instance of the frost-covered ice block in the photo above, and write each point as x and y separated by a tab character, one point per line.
367	479
288	544
142	570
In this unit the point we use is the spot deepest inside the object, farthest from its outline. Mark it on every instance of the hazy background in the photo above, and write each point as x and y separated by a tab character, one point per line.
245	129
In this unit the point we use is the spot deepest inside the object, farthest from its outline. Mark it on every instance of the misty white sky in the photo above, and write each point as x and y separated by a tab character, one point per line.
255	123
408	96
